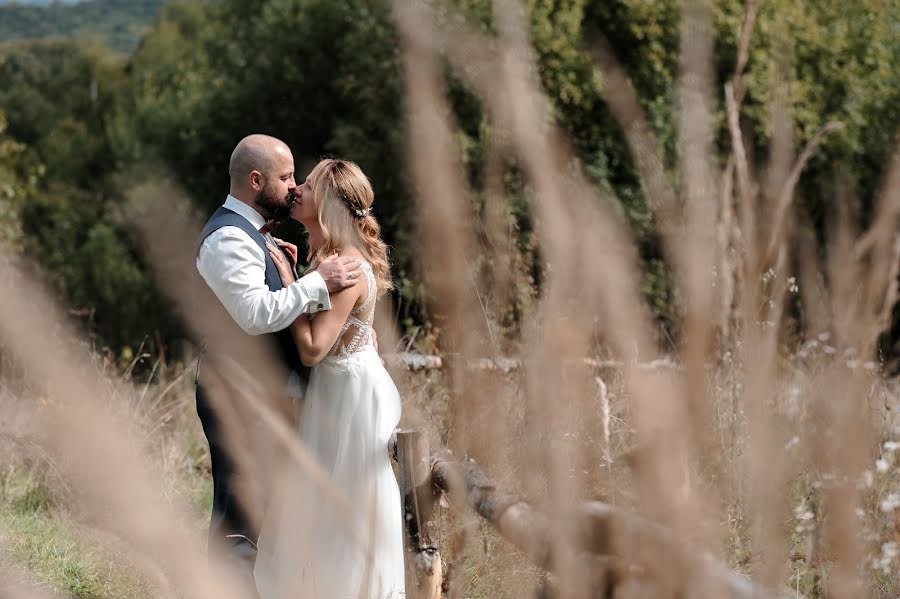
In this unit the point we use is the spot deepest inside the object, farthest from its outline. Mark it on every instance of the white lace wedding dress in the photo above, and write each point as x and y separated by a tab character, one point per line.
310	546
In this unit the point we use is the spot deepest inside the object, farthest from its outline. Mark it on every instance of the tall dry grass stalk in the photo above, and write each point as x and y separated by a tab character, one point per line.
116	486
673	415
665	442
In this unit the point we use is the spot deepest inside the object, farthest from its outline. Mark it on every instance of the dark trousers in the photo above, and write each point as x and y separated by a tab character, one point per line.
229	525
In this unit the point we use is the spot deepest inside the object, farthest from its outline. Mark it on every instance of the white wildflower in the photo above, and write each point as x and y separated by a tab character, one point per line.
801	512
882	465
890	503
891	445
792	285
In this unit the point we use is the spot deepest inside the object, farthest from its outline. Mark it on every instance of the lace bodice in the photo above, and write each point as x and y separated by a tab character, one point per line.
356	332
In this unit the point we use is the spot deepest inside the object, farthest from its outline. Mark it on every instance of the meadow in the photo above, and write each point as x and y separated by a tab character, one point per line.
761	428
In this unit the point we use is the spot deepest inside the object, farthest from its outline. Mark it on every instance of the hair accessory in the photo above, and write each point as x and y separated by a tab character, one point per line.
362	213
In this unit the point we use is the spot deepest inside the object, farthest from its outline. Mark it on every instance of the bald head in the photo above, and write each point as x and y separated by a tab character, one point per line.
256	153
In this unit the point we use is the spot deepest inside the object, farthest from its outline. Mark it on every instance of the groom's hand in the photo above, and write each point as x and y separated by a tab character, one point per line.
339	272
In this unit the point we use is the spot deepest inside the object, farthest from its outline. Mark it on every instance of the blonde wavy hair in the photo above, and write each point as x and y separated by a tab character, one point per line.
345	199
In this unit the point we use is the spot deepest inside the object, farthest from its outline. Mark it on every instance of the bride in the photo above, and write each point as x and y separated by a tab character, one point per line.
309	546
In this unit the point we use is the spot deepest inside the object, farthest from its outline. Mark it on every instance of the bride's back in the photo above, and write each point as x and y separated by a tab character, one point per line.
356	332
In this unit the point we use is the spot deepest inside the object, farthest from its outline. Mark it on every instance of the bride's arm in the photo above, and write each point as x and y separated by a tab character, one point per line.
314	337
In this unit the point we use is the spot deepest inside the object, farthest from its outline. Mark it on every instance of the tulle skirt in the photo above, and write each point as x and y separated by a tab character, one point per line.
313	545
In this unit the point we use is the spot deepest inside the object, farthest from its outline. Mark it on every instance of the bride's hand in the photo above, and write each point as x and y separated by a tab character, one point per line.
281	263
290	248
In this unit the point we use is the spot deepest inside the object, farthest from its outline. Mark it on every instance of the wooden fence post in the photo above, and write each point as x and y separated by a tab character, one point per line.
423	564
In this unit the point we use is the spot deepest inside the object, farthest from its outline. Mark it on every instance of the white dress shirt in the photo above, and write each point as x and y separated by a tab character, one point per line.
234	267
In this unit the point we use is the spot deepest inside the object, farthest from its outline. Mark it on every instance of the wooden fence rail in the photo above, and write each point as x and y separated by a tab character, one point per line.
415	361
595	549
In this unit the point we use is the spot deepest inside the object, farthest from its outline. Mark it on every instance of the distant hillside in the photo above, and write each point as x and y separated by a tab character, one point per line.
119	23
37	2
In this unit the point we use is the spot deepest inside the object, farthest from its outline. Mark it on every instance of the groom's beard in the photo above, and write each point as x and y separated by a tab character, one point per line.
273	206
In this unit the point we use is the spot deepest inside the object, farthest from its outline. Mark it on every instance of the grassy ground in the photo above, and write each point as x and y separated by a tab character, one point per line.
46	540
57	553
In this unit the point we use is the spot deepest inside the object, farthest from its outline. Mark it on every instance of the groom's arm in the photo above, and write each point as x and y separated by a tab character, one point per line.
234	268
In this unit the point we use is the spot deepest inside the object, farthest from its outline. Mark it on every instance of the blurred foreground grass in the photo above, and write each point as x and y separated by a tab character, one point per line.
45	540
55	551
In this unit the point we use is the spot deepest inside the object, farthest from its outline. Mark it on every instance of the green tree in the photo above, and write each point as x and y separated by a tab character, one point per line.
325	76
58	97
61	98
18	174
88	257
330	81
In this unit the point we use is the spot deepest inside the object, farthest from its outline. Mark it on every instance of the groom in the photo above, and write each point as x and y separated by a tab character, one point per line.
233	260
